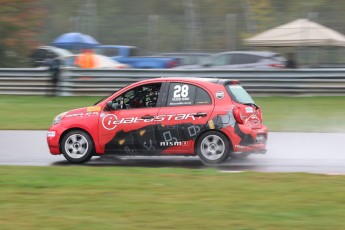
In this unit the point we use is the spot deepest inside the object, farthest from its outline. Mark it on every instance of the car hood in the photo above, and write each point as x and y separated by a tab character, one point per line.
83	112
190	67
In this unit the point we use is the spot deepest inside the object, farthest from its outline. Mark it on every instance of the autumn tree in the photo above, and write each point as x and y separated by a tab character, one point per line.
20	23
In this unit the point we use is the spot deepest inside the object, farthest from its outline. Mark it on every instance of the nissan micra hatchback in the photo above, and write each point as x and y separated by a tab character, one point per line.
212	118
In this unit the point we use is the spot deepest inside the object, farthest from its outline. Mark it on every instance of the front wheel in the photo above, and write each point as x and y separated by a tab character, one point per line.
77	146
213	148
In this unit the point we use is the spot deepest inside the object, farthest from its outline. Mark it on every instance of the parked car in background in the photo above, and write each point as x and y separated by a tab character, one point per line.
100	62
128	55
40	54
241	60
186	58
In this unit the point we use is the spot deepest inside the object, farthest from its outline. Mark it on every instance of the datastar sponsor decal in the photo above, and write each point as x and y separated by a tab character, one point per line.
110	121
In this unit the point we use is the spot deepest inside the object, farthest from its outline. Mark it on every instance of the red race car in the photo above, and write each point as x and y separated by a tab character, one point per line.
212	118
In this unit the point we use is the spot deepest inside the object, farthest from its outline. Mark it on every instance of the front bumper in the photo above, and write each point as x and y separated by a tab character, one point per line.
53	139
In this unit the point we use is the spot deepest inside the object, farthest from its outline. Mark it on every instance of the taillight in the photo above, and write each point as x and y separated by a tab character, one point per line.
172	64
237	114
276	65
124	66
259	114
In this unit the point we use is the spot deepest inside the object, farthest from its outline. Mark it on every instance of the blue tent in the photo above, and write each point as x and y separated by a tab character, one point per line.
75	41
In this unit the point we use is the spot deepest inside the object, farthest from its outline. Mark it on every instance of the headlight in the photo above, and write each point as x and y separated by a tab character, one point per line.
58	118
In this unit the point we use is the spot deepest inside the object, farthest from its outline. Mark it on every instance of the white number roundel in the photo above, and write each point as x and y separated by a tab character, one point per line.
181	91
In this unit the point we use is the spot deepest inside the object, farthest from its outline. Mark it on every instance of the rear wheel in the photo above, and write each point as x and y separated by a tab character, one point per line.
213	148
77	146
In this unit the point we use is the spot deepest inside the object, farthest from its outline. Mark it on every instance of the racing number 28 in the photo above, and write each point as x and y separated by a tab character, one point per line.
181	91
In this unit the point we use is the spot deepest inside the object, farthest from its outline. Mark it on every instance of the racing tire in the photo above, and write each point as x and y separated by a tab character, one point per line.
77	146
239	155
213	148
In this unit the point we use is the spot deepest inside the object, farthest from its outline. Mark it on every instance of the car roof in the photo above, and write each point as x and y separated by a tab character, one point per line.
61	52
258	53
187	53
193	79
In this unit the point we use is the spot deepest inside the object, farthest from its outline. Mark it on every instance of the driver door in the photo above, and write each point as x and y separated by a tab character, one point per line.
130	127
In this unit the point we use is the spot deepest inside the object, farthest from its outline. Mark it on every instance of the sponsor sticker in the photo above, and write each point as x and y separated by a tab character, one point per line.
87	114
220	95
109	121
249	110
175	143
93	109
51	134
240	146
211	124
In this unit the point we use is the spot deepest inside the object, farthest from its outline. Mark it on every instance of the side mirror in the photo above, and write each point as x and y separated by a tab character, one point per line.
206	64
111	105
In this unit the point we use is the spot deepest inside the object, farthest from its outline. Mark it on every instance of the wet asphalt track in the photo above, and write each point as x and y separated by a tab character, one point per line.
287	152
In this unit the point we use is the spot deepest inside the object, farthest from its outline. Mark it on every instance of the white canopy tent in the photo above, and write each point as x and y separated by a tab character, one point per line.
301	32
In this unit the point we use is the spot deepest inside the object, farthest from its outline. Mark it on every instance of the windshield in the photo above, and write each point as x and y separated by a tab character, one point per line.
238	94
102	99
62	52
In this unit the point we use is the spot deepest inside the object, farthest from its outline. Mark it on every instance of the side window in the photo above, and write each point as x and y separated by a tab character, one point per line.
133	52
202	97
181	94
40	54
224	59
246	59
110	52
144	96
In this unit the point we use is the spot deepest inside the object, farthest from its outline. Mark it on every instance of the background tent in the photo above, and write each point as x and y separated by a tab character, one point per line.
75	41
301	32
301	35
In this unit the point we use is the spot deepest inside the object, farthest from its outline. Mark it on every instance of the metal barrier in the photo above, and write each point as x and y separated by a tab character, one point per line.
81	82
24	81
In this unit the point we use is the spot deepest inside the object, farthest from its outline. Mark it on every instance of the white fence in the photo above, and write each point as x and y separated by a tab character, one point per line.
35	81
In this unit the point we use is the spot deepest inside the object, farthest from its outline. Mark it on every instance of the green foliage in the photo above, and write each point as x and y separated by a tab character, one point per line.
167	198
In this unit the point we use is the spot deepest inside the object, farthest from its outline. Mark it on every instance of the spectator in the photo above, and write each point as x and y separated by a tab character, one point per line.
86	59
53	64
291	62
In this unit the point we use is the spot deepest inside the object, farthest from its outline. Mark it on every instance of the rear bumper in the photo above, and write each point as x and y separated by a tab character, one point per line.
251	140
255	148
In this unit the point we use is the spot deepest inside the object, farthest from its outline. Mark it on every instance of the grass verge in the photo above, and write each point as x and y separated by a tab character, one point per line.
165	198
302	114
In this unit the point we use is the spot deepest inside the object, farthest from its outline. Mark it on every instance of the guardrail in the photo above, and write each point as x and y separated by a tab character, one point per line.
77	82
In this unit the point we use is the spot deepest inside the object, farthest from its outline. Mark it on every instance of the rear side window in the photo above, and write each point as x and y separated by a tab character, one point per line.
245	59
181	94
238	94
202	97
110	52
223	59
279	58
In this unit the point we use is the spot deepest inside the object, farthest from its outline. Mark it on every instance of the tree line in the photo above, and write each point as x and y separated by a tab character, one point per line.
152	25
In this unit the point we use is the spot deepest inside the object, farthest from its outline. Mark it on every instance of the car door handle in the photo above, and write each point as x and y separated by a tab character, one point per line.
200	115
147	117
